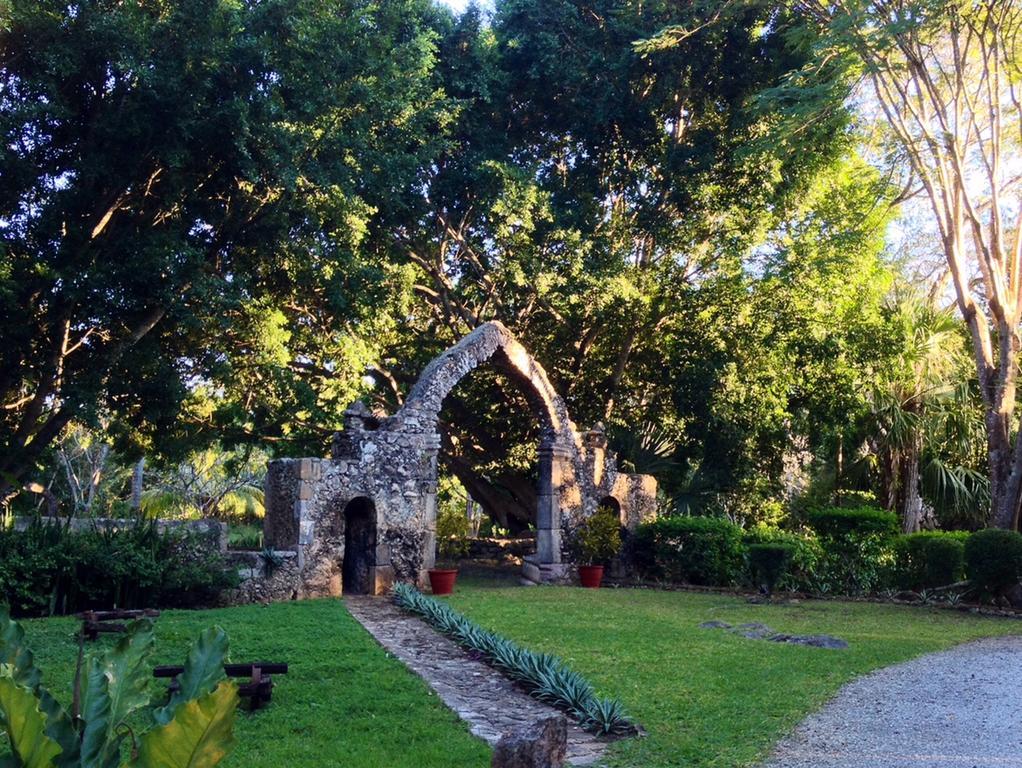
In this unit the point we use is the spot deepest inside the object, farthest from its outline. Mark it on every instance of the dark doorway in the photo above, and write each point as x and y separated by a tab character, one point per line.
359	547
611	504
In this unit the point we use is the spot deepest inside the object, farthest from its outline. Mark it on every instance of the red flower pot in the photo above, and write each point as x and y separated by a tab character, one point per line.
441	580
590	576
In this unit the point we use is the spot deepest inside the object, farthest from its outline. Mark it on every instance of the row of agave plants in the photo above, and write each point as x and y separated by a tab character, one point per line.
544	676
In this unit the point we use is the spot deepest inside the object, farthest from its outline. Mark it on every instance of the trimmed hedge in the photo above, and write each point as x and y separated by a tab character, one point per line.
806	555
856	541
706	551
834	522
993	560
929	559
769	562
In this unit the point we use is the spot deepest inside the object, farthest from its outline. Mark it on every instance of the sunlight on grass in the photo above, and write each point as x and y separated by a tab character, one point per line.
708	698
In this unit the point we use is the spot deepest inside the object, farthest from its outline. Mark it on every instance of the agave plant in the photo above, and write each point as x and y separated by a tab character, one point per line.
545	677
194	729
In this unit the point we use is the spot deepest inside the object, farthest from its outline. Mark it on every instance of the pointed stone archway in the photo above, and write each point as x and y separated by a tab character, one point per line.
393	461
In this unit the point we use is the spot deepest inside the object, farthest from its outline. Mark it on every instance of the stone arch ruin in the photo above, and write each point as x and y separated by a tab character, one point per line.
391	463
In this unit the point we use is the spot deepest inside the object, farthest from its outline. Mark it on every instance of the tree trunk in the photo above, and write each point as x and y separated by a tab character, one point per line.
911	500
509	500
137	476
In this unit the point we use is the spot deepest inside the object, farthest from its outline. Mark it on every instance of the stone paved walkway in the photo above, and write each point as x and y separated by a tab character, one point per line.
484	698
960	708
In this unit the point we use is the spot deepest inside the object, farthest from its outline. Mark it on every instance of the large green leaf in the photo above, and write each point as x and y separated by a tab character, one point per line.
25	724
95	711
60	728
15	654
203	670
17	658
199	735
115	686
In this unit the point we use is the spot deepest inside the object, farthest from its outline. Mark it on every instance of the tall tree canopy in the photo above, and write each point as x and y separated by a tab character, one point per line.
603	199
222	222
186	191
944	77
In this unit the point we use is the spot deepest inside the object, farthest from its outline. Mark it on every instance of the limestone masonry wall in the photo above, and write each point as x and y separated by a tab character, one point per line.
389	465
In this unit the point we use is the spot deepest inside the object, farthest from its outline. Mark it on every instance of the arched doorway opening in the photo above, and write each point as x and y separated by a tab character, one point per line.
359	547
609	503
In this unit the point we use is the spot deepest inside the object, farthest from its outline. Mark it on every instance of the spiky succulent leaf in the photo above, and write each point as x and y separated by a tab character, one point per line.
543	675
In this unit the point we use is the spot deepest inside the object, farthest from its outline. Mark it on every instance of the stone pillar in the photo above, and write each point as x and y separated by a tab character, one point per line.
554	462
428	462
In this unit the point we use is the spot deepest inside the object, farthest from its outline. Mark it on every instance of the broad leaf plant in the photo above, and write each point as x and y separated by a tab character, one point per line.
112	723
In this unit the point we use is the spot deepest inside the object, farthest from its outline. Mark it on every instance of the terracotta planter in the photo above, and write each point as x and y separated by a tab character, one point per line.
441	580
590	576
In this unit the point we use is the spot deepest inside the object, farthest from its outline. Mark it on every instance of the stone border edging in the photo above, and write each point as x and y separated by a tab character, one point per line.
485	699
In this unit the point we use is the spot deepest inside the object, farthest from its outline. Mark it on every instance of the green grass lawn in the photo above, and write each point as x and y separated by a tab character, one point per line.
345	702
705	697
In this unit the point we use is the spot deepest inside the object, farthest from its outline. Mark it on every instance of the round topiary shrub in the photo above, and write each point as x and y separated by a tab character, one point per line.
993	561
769	563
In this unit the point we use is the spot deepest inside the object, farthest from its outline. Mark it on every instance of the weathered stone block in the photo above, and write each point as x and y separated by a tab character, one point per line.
383	579
540	745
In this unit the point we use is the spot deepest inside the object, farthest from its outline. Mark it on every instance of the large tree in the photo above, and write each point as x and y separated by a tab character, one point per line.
186	189
593	196
944	75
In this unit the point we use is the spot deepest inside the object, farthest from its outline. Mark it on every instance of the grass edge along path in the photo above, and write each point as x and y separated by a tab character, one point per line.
711	699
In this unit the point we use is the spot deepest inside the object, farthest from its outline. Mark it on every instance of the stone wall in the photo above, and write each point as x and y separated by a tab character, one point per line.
390	462
263	582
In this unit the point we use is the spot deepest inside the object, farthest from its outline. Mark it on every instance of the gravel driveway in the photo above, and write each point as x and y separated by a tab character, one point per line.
960	708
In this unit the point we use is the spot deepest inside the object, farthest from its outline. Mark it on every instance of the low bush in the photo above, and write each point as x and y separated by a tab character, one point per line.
769	563
834	522
993	561
597	539
929	559
856	543
806	555
48	570
691	550
241	536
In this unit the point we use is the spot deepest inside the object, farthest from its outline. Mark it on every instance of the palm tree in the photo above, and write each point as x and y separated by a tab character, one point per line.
924	419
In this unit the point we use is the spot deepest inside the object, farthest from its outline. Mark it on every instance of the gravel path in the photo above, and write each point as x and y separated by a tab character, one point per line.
484	698
960	708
